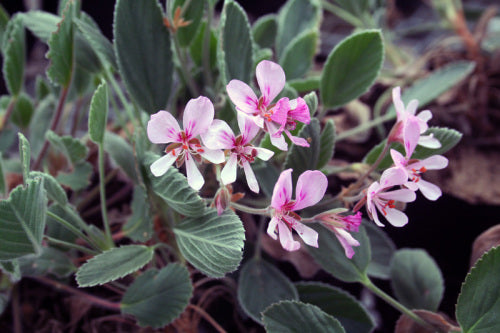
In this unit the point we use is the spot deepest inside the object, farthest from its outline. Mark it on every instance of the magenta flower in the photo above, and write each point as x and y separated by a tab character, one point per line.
405	114
184	145
241	151
311	187
380	198
414	168
341	225
271	80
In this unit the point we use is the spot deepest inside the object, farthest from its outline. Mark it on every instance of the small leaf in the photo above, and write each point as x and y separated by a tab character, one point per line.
4	20
100	44
311	100
305	85
40	123
382	249
478	304
67	213
416	279
41	24
156	298
25	154
291	316
14	57
22	220
235	44
211	243
192	14
331	257
300	158
260	285
73	149
98	114
264	31
61	49
142	48
54	190
298	56
51	261
79	178
337	303
327	144
196	48
86	58
295	17
449	138
113	264
23	111
438	82
174	189
139	226
42	88
121	153
351	68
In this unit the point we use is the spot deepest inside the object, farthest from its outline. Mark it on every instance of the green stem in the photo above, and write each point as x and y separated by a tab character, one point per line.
398	306
207	73
70	245
365	126
102	190
250	210
72	228
184	70
343	14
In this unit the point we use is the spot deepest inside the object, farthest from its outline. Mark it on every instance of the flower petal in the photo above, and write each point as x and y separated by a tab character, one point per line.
280	113
429	190
218	136
279	142
228	173
402	195
411	135
271	228
411	108
297	140
308	235
282	192
392	177
425	116
195	179
161	165
163	128
286	237
263	153
215	156
198	116
347	241
429	141
372	207
299	111
271	79
396	99
251	180
242	96
398	159
248	127
435	162
311	187
396	217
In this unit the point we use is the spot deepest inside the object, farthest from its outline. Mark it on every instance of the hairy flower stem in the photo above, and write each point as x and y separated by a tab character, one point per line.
104	210
102	303
365	126
53	126
250	210
391	301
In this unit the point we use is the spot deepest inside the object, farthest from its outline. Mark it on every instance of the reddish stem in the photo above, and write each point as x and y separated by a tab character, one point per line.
207	317
8	112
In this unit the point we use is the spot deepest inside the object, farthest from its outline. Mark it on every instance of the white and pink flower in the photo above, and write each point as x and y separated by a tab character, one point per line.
273	118
184	145
311	187
404	114
241	152
380	196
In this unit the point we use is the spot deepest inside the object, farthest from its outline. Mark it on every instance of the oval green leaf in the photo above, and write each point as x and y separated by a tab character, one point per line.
54	189
327	144
264	31
260	285
416	279
382	249
14	55
331	257
113	264
73	149
142	47
98	114
158	297
337	303
291	316
23	111
351	68
192	14
211	243
51	261
478	304
99	43
298	56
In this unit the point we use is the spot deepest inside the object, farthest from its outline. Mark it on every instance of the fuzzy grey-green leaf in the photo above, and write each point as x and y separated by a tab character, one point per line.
113	264
98	114
298	56
53	188
25	155
327	144
100	44
264	31
14	56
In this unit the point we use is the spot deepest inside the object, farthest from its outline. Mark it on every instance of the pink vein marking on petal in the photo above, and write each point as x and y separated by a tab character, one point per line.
271	79
282	192
163	128
311	187
198	116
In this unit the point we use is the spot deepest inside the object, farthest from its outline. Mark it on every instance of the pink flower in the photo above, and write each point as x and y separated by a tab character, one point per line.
271	80
380	198
241	151
184	144
311	187
408	113
340	225
414	168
